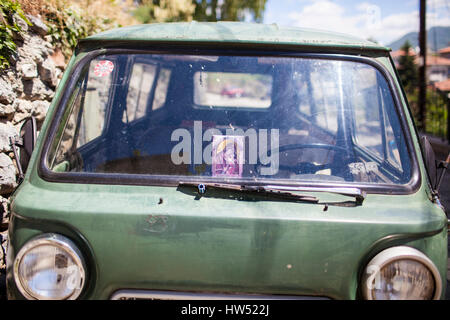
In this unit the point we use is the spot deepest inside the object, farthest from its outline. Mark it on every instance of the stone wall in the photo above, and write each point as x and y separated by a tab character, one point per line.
26	89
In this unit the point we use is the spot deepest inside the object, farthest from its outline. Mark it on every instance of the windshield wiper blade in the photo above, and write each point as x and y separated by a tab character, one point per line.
282	191
202	187
357	193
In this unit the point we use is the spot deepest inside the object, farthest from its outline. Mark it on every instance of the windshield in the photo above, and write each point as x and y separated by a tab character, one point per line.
231	118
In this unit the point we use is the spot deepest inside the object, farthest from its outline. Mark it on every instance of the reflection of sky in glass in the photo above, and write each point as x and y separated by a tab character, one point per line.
382	20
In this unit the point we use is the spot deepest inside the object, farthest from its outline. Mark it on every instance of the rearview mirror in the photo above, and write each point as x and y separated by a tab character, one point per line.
430	161
26	143
433	165
28	133
443	165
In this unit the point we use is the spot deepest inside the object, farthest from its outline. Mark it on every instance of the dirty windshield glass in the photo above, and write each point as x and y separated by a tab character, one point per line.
232	118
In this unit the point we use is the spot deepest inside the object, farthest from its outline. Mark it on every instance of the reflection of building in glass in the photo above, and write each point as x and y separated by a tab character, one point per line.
228	89
438	65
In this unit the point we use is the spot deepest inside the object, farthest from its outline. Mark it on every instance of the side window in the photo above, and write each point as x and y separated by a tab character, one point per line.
393	154
368	129
140	87
367	104
317	94
161	88
326	101
394	140
301	88
86	114
95	101
67	136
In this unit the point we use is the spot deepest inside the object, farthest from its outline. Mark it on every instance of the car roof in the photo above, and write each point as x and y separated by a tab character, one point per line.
233	32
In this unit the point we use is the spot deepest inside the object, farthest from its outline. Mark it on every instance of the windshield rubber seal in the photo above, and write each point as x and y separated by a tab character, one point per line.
172	181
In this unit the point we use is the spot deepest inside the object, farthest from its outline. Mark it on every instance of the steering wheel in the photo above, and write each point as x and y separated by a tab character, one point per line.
306	167
310	146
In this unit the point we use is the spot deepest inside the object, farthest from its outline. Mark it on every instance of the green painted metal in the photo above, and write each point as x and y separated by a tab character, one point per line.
148	237
233	32
224	244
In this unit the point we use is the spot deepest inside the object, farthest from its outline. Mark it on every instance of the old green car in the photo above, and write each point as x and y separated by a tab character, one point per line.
150	180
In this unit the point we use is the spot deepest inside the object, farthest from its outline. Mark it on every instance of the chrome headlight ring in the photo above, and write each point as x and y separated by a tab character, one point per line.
398	254
74	275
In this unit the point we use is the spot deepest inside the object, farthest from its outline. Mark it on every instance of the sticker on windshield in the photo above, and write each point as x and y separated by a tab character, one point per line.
364	168
227	156
103	68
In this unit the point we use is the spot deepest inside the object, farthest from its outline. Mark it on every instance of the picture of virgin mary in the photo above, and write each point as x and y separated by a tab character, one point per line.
227	156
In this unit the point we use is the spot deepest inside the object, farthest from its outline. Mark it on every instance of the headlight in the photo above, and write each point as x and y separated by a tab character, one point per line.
401	273
49	267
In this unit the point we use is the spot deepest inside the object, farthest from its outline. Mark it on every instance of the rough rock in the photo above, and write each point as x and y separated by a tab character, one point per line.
4	216
40	109
47	72
6	110
4	221
22	24
23	110
24	106
4	213
34	48
26	88
7	174
12	79
18	118
58	59
7	131
37	25
2	258
35	89
6	92
28	70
